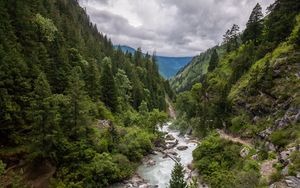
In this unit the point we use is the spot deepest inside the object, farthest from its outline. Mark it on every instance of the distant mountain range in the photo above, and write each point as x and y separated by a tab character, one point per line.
168	66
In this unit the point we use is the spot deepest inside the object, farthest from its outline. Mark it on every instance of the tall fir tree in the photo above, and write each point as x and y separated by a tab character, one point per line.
254	25
108	86
81	108
214	59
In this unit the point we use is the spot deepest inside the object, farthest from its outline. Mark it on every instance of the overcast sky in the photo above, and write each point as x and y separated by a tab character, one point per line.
170	27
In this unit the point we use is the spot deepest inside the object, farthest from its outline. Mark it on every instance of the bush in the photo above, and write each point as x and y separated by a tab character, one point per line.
281	137
136	144
220	165
295	166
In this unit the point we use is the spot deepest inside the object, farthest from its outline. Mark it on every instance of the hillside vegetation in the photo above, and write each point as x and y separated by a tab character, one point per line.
167	66
194	72
74	112
253	92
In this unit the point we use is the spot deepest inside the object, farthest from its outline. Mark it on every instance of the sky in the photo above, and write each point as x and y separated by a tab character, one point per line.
169	27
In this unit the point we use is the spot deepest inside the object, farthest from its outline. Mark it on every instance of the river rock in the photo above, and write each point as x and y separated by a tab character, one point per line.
170	137
255	157
171	143
190	166
171	152
151	162
181	148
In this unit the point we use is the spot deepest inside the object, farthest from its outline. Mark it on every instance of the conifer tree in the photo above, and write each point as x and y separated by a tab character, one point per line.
108	87
177	177
81	107
254	25
213	61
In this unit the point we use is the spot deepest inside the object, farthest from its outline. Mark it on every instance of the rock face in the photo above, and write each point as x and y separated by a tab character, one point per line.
181	148
244	152
292	181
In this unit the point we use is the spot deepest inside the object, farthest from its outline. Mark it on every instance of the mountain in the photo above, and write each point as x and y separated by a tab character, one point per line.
193	72
168	66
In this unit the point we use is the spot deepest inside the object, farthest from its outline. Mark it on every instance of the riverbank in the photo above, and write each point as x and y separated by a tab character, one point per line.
155	170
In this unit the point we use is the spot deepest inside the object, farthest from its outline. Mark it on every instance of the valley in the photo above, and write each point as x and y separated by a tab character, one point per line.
78	111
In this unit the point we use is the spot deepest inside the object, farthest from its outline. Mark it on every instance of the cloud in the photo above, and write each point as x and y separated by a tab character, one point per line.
170	27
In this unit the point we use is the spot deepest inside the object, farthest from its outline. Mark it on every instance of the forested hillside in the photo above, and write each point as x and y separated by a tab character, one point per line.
194	72
251	92
74	112
167	66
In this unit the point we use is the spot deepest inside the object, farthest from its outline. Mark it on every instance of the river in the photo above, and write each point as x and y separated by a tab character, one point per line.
160	173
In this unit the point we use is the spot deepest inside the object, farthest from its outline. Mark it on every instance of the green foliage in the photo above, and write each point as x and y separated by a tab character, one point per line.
177	177
295	165
2	168
46	27
58	77
254	25
283	137
213	62
218	160
108	86
135	144
195	70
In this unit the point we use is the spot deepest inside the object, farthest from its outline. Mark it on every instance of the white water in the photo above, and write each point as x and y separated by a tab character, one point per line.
160	174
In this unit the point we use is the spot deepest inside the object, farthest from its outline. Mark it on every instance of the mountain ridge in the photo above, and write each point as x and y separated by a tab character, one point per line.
168	65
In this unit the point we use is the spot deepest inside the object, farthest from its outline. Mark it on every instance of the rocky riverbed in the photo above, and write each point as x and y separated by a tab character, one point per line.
155	170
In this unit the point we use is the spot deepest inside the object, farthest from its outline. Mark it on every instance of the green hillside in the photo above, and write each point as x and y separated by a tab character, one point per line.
194	71
253	95
74	112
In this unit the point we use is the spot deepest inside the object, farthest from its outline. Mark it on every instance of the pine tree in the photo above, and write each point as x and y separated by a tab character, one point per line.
213	60
93	80
231	37
108	87
234	35
81	108
177	177
281	19
124	86
254	25
44	113
138	57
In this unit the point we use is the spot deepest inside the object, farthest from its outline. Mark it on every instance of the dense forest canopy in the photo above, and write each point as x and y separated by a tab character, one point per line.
59	79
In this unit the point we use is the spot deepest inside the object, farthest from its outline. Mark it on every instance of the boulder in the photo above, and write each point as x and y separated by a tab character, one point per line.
170	137
270	146
190	166
171	143
292	181
151	162
171	152
244	152
181	148
264	134
285	171
144	186
255	157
